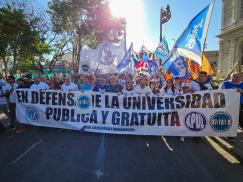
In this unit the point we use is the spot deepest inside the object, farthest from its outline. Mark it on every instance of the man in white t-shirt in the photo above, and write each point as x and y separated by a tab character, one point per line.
201	83
68	85
3	101
3	98
128	90
12	100
39	85
142	89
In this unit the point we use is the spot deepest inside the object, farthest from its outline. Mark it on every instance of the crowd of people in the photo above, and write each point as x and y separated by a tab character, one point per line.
114	83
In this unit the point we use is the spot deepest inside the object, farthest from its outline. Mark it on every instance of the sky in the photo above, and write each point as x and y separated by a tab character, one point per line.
143	20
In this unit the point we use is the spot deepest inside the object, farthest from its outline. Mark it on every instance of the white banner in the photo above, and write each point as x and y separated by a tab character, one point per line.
206	113
105	57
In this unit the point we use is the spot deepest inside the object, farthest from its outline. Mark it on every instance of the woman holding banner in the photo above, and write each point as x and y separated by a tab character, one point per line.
128	90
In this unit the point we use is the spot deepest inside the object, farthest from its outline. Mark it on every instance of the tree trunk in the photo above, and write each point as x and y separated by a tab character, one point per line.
79	48
78	56
5	66
14	69
74	54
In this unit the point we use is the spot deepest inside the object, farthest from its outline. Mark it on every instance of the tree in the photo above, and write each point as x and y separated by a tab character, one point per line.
86	22
50	46
4	52
16	36
43	47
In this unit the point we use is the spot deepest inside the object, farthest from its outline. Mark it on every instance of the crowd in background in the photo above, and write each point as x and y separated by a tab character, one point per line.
125	84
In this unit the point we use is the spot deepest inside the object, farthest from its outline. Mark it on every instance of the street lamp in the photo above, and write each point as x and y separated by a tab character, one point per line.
165	16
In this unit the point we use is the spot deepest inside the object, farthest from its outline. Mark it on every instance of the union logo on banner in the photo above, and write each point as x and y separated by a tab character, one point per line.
84	102
106	56
31	114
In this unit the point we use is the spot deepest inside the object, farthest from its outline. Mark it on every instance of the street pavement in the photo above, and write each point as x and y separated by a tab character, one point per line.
41	154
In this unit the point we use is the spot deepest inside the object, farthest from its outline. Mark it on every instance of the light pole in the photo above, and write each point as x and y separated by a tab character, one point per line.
165	16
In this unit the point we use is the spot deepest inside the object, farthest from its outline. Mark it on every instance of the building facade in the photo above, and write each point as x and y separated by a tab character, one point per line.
231	38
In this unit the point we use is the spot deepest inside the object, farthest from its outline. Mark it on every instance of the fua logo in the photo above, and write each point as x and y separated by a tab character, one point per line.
195	121
220	121
31	114
83	102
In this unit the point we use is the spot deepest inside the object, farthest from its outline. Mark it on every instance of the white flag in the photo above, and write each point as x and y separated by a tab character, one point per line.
106	56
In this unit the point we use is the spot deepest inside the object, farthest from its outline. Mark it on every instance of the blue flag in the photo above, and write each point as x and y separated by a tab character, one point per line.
145	60
162	50
177	66
125	60
135	59
155	66
191	43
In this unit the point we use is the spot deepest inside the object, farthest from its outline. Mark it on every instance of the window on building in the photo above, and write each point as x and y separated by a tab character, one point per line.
228	12
241	9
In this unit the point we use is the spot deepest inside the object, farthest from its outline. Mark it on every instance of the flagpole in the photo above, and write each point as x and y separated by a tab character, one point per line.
205	32
125	38
207	22
160	22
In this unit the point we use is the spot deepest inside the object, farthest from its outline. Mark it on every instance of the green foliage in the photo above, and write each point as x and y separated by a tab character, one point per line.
26	66
88	22
23	40
17	36
29	41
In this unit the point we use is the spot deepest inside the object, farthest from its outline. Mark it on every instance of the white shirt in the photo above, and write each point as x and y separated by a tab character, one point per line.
194	86
178	87
71	86
2	82
122	82
40	86
221	86
169	92
128	92
145	90
3	90
12	96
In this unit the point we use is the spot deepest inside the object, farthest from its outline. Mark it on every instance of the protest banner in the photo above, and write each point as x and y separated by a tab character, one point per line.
204	113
